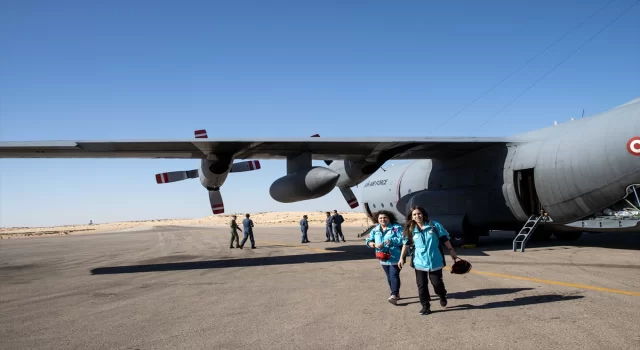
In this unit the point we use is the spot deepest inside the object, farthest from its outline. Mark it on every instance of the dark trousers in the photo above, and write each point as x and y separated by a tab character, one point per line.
423	285
250	236
329	233
234	237
304	235
338	231
393	278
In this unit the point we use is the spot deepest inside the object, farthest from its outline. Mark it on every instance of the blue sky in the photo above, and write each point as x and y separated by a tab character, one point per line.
77	70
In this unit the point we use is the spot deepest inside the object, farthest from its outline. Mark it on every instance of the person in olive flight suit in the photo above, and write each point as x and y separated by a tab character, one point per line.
234	232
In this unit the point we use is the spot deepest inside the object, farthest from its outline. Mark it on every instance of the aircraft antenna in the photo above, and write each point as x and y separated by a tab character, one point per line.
517	70
582	114
561	62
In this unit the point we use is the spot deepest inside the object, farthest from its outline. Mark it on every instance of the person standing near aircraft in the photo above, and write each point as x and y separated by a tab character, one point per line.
337	225
304	227
386	238
328	230
428	260
234	232
247	224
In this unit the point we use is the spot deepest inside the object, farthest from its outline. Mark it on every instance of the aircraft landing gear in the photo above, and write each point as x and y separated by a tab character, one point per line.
468	237
567	236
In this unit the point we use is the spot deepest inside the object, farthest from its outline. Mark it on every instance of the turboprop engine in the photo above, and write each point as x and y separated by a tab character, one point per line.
304	184
212	174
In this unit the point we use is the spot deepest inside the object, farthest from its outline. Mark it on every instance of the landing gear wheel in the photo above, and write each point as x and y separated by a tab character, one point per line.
459	239
567	236
541	234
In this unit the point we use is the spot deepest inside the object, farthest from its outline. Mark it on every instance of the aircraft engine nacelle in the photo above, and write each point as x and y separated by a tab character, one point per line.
213	173
352	173
310	183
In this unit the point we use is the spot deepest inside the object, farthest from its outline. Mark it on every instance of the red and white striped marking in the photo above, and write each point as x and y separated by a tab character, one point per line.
254	164
633	146
218	208
162	178
353	203
201	134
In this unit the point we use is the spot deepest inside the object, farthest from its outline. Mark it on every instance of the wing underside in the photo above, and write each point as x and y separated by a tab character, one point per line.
321	149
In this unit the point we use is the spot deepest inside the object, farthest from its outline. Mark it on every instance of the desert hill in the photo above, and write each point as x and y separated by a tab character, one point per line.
358	219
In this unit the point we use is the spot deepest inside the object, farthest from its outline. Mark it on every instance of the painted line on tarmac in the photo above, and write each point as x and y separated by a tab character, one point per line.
558	283
492	274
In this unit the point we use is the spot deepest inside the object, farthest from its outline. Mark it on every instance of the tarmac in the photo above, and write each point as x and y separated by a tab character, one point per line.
183	288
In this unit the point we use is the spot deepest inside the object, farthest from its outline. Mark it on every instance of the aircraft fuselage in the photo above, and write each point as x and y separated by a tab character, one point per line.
570	171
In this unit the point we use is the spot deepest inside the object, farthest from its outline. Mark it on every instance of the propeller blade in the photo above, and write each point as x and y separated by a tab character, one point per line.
215	199
174	176
245	166
348	195
201	134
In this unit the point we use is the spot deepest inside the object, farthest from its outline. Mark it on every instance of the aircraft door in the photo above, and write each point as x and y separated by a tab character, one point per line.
368	211
526	191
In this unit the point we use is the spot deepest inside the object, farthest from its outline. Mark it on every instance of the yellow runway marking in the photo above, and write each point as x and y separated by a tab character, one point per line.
493	274
564	284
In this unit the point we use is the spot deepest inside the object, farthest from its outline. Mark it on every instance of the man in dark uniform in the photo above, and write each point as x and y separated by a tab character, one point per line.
234	232
337	225
304	227
329	231
247	224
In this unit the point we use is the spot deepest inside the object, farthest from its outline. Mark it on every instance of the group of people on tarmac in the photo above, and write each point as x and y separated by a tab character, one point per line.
419	237
247	224
423	237
333	228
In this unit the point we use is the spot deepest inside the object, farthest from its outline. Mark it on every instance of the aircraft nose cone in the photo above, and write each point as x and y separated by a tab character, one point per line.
321	178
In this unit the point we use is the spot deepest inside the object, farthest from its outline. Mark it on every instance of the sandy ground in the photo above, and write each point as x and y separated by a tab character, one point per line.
352	219
171	287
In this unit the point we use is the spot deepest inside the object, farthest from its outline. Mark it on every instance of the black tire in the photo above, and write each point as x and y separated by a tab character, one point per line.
567	236
459	239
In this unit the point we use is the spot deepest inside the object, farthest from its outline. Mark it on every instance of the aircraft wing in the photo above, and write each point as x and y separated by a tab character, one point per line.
320	148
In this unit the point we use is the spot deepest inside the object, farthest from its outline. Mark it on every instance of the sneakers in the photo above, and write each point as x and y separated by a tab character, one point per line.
393	299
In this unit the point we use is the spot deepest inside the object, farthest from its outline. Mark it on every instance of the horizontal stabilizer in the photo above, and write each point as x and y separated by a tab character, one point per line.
201	134
176	176
348	195
245	166
215	199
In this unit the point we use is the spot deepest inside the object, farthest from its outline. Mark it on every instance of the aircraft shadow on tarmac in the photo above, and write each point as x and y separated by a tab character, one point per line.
341	253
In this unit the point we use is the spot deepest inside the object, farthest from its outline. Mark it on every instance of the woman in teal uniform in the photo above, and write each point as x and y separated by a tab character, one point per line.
386	239
425	236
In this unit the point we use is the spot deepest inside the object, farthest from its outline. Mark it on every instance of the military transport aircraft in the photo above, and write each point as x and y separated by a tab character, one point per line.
557	176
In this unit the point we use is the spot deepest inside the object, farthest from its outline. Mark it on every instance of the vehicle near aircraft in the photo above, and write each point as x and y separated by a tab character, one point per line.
556	176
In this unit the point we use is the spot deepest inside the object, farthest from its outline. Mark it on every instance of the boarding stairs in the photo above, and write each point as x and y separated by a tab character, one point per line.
527	230
366	232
